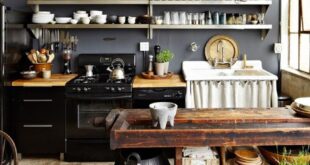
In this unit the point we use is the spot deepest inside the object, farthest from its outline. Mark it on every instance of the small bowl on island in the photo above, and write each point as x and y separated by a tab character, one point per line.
162	113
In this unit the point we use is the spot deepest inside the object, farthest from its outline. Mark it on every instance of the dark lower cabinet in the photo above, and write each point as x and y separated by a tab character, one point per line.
40	120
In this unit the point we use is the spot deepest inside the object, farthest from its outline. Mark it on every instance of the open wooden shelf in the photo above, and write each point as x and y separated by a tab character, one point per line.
210	2
89	26
233	27
88	2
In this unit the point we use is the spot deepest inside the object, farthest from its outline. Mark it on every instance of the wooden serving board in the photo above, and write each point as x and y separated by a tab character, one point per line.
175	81
210	127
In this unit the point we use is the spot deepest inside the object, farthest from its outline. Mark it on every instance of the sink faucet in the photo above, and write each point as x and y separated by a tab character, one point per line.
222	61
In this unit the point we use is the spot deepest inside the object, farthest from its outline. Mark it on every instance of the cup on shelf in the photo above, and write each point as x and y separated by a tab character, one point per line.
158	20
131	20
121	19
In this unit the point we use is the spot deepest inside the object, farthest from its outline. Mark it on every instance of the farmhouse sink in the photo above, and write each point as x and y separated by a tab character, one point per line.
201	70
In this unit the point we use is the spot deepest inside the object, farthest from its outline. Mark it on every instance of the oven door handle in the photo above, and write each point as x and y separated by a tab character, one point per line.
99	97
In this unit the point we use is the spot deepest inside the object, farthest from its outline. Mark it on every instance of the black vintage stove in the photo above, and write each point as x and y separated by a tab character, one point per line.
90	99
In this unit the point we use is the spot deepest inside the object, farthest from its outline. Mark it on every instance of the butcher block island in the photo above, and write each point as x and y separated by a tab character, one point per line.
208	127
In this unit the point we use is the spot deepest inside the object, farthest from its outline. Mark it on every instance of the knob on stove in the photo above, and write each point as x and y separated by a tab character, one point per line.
85	89
78	89
119	89
112	89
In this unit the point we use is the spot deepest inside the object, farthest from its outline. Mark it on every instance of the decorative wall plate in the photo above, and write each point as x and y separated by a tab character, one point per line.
221	47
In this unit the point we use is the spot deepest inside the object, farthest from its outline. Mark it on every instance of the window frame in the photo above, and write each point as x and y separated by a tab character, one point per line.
299	33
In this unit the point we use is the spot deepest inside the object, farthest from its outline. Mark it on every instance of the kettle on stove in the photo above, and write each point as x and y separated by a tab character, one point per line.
117	73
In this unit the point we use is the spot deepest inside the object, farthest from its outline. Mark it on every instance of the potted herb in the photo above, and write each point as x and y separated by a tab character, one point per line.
162	62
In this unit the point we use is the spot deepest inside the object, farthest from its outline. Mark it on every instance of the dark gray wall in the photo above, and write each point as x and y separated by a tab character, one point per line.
91	41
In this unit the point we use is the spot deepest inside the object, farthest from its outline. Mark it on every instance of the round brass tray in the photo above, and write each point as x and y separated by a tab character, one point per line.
223	48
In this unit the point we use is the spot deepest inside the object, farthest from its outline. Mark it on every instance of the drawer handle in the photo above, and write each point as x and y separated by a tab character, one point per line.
38	100
38	126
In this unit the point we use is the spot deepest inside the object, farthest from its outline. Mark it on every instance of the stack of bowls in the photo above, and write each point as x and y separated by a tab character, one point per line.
80	14
302	106
42	17
247	157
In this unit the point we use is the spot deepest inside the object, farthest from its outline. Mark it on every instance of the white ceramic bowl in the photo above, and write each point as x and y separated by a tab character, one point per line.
85	20
42	18
81	12
163	112
63	20
101	20
78	16
43	12
95	12
74	21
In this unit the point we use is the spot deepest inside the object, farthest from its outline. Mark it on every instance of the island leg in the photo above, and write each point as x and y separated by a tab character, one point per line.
178	156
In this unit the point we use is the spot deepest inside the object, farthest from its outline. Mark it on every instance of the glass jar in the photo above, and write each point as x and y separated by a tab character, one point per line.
238	19
223	18
230	19
216	18
208	16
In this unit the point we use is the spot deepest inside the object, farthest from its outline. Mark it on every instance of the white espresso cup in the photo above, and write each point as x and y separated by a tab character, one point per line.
121	19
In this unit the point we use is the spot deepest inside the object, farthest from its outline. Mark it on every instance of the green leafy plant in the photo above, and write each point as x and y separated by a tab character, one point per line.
164	56
300	159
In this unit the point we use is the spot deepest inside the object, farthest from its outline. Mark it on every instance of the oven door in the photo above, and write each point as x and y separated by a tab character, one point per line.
85	116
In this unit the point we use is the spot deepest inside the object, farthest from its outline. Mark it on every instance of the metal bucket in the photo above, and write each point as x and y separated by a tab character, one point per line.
141	157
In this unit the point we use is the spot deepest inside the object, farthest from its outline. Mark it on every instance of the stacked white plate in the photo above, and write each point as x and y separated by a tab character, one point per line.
42	17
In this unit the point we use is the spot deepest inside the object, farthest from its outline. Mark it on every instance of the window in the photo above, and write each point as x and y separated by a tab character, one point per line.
299	35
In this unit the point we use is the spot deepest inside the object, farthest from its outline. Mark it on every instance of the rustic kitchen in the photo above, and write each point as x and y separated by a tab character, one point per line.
155	82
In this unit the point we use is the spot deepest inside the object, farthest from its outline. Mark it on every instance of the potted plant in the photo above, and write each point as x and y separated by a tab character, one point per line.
162	62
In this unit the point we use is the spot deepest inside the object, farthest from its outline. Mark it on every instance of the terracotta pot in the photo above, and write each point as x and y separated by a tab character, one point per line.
40	67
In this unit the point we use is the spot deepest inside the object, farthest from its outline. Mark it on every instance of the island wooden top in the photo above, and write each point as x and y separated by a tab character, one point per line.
209	127
55	80
175	81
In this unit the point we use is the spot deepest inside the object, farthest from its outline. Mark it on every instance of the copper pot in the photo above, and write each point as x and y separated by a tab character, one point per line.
40	67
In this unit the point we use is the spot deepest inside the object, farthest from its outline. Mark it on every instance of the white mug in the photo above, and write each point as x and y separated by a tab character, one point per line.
85	20
122	19
131	20
46	74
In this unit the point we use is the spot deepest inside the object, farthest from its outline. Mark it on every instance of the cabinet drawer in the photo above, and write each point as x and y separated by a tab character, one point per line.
40	112
41	139
40	94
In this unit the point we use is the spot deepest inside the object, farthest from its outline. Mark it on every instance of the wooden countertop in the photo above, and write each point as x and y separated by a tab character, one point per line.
55	80
174	81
